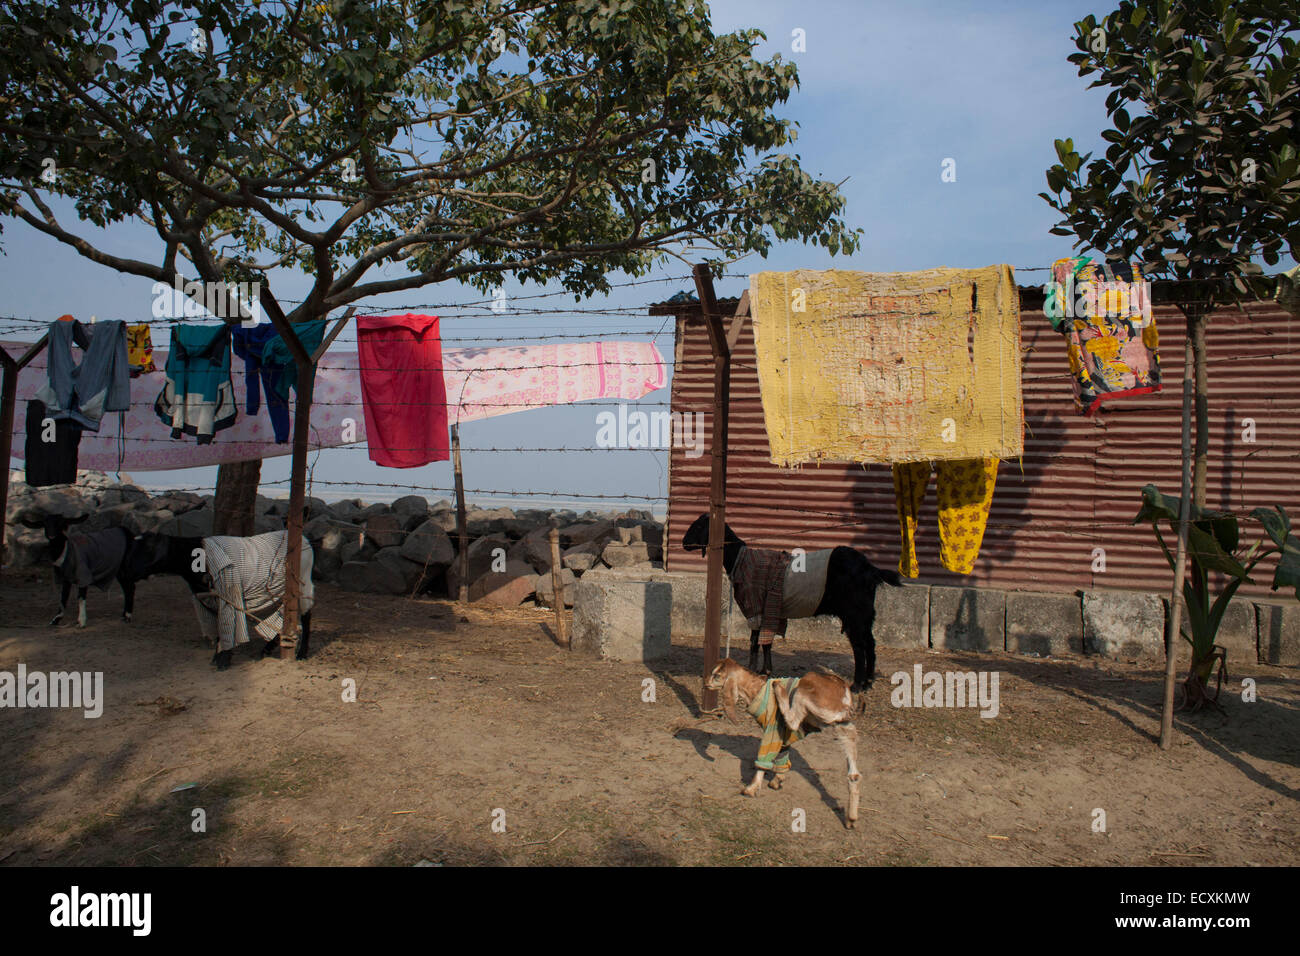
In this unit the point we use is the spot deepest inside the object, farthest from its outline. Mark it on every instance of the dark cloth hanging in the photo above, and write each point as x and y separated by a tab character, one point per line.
50	463
403	389
269	367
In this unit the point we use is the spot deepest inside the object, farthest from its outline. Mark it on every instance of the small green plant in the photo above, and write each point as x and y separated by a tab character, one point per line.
1214	545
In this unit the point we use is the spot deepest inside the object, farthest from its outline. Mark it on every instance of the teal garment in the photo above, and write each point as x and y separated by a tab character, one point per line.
276	354
198	397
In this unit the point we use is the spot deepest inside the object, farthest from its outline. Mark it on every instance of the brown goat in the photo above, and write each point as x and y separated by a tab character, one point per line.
819	701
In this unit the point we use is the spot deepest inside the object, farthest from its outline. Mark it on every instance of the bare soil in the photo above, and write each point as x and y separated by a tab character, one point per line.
468	715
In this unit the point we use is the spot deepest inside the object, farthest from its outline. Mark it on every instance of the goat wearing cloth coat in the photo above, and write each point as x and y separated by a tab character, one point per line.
788	709
839	581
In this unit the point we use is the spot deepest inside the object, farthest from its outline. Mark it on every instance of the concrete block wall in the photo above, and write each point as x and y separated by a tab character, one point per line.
1116	624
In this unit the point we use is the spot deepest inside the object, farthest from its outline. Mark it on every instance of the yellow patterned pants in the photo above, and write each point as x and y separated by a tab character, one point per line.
965	490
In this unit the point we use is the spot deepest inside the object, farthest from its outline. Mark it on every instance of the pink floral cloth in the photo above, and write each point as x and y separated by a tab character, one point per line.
481	383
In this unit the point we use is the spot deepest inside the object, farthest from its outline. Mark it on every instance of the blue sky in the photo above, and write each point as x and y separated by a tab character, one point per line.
888	92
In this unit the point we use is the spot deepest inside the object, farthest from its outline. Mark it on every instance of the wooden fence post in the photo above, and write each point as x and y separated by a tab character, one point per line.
557	589
721	343
462	531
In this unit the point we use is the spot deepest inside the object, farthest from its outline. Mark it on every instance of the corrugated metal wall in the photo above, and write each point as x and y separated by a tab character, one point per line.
1076	488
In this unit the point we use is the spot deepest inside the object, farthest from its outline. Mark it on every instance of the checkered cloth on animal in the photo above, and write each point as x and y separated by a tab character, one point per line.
248	575
774	747
758	582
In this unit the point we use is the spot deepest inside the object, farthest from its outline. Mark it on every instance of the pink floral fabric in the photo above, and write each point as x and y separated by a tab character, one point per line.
481	383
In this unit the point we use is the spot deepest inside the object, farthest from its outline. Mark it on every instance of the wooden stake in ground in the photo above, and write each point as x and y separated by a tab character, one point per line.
721	343
462	531
557	589
1172	635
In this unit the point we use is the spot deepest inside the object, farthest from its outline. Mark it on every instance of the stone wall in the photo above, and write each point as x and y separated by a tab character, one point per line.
400	547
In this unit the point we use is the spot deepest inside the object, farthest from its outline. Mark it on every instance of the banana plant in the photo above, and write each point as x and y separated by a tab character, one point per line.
1214	545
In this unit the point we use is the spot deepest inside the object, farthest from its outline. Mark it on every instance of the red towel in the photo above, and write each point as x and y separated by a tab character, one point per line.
402	387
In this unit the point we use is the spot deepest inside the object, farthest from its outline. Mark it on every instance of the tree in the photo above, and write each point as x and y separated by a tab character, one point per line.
1200	179
380	147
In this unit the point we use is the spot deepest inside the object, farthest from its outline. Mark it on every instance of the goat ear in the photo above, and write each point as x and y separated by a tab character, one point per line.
730	695
85	517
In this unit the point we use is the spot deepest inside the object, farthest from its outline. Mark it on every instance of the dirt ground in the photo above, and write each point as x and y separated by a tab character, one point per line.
465	715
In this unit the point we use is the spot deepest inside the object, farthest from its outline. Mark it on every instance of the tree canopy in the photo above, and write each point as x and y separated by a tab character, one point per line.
382	146
1201	177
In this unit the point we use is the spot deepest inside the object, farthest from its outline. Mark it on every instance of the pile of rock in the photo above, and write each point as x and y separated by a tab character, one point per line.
403	547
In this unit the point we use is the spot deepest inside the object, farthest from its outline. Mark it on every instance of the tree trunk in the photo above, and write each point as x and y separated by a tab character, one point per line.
1174	625
1201	455
236	498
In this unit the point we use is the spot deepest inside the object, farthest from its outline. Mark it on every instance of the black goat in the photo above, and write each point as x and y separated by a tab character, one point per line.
155	553
849	594
81	560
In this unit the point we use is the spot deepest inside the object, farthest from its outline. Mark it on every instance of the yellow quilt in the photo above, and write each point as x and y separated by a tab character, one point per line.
889	367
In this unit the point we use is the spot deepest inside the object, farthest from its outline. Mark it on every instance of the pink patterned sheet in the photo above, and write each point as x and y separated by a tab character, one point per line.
481	383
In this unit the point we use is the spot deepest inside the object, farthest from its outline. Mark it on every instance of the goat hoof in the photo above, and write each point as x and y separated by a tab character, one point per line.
775	783
850	824
747	791
127	618
300	654
55	622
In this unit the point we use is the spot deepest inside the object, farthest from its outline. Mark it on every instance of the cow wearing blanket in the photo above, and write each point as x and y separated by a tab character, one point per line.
771	588
233	581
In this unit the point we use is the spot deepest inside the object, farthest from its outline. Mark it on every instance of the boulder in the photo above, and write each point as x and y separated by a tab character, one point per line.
508	588
385	530
388	573
372	511
534	549
429	545
139	521
630	535
354	550
192	524
411	506
26	547
265	524
546	588
484	522
598	532
578	561
618	555
347	510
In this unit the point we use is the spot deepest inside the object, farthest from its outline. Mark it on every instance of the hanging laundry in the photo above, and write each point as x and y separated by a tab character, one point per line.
276	355
912	366
139	350
50	462
249	344
405	394
198	397
100	383
480	383
1287	291
965	492
1110	330
267	358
